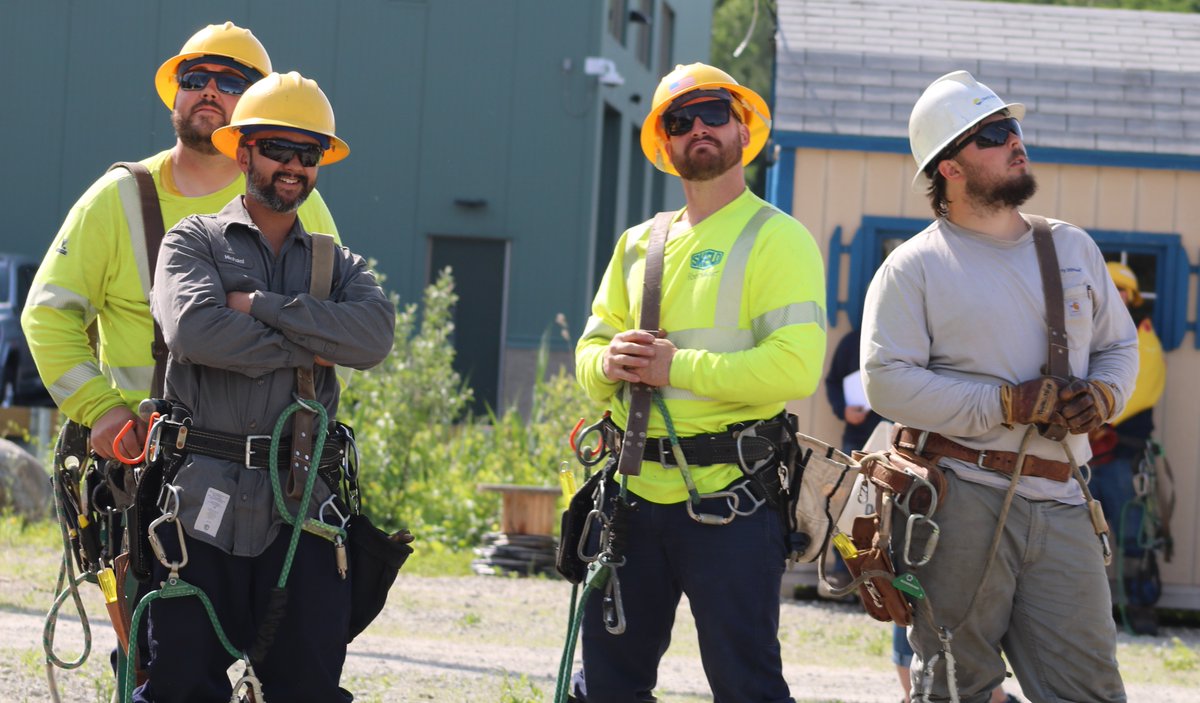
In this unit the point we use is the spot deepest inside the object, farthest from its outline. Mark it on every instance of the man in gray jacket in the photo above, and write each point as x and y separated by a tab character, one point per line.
954	344
232	295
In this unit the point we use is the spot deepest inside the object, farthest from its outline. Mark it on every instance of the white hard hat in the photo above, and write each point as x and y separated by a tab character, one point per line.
948	108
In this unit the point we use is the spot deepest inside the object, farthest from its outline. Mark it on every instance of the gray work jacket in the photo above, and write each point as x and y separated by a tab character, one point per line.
236	372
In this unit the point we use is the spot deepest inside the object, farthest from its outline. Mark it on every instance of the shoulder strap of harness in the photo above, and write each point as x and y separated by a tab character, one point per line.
1058	360
319	285
634	443
153	230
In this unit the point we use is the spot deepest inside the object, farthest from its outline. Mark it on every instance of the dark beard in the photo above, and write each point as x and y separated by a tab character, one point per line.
192	136
1011	193
706	168
266	193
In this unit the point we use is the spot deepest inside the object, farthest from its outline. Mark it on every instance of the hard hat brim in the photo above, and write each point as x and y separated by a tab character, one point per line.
920	182
758	121
226	140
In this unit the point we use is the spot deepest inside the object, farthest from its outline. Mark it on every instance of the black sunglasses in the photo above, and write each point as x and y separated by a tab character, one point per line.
713	113
990	135
228	83
282	150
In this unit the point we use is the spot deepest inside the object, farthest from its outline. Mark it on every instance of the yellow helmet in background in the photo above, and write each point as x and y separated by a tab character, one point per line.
219	40
1126	280
752	110
287	101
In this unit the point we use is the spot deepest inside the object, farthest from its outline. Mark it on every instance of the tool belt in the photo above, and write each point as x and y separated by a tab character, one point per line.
932	445
251	451
707	449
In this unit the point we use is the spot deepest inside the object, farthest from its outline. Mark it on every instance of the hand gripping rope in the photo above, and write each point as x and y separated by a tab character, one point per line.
176	587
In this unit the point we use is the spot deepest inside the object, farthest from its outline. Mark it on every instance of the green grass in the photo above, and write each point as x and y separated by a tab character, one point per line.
433	559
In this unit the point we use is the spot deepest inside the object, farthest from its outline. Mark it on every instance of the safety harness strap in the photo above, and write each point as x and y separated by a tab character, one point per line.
320	283
634	442
152	229
1058	362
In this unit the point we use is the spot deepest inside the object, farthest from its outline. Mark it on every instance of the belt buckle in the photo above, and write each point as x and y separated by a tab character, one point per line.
666	457
250	449
979	459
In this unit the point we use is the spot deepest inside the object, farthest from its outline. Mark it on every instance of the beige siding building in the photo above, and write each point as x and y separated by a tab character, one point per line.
1113	130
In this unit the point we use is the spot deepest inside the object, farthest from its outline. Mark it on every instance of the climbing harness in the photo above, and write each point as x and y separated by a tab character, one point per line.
175	587
1152	531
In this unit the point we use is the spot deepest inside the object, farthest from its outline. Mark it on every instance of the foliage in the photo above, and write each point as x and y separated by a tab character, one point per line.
1180	657
754	66
423	457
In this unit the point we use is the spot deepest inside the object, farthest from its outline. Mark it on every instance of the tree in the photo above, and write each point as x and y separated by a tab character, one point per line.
754	67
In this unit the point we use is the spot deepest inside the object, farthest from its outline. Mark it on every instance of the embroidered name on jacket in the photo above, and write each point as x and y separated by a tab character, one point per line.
232	259
707	259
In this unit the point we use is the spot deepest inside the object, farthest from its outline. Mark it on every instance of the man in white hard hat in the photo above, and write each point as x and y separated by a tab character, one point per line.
961	346
742	305
234	294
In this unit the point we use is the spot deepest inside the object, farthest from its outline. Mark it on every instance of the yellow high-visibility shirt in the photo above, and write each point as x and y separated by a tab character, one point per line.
743	299
1151	375
96	269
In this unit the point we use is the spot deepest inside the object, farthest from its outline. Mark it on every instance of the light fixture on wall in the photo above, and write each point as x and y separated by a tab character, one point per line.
604	68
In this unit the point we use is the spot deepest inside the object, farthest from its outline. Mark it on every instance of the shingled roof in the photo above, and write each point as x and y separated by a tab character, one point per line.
1112	80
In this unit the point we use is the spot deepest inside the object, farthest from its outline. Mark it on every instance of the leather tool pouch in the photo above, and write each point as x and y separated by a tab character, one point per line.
375	560
574	523
898	470
880	598
819	486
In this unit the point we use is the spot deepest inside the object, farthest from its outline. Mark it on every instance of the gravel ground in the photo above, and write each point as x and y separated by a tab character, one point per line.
479	638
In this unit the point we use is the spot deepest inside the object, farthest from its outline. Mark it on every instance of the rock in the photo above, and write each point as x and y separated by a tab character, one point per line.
24	482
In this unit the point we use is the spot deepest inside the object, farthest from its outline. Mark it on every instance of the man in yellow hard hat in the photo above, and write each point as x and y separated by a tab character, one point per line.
97	269
741	331
1118	448
995	341
235	296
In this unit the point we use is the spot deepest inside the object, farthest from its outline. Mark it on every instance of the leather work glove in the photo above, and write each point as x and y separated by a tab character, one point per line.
1085	405
1034	402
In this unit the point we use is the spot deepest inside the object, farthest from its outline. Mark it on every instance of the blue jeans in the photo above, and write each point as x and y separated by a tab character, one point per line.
1112	485
902	651
731	575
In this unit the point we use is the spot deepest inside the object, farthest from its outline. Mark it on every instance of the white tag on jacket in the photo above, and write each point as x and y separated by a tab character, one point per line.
209	519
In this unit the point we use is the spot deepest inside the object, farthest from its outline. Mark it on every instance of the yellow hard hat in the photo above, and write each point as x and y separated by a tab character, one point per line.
751	107
219	40
287	101
1126	280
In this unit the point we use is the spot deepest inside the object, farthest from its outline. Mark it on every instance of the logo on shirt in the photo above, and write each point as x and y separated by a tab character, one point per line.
707	259
232	259
62	247
1074	308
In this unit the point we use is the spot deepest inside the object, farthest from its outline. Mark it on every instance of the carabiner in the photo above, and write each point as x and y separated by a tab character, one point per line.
589	456
930	545
731	499
116	445
903	501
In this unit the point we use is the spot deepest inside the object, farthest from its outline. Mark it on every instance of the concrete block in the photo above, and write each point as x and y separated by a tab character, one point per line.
1169	96
1108	142
817	57
1123	76
833	91
862	76
1058	140
860	110
1100	92
950	61
891	62
1036	88
1168	129
1062	72
1096	124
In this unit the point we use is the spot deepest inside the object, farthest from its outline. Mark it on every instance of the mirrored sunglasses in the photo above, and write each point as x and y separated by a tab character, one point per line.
282	150
228	83
991	135
713	113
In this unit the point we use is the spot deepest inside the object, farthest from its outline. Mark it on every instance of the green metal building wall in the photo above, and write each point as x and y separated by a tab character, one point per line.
466	119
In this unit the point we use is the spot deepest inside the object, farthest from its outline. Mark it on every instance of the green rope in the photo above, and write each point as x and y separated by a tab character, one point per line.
178	588
597	578
676	450
297	521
